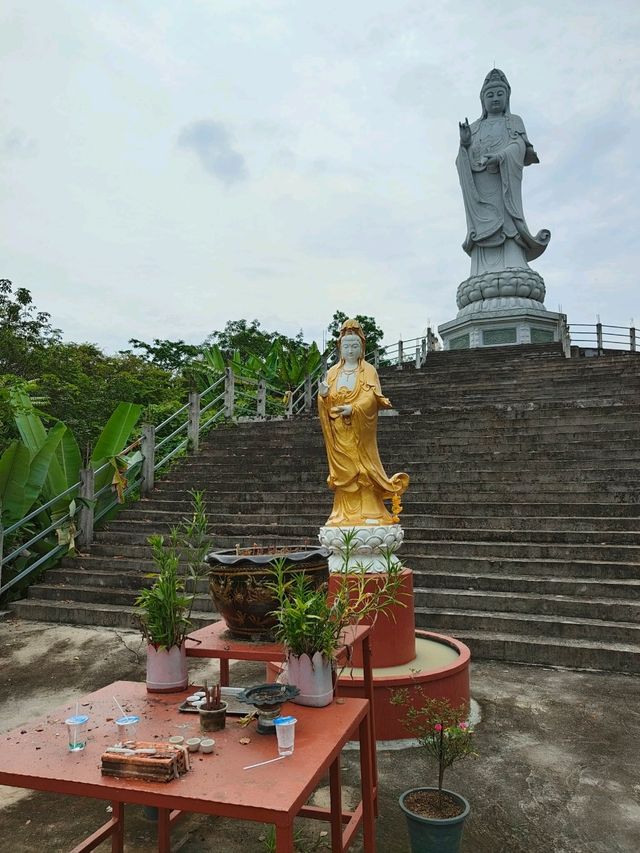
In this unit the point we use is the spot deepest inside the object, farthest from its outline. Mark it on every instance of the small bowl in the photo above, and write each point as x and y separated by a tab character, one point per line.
207	744
193	744
200	693
194	698
176	740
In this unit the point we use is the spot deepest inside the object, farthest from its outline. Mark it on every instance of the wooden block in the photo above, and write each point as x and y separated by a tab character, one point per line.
169	762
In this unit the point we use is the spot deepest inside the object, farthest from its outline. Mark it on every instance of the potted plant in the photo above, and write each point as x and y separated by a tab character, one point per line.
311	622
212	711
164	609
435	816
239	583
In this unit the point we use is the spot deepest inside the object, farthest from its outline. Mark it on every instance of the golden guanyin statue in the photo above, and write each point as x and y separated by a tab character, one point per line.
348	401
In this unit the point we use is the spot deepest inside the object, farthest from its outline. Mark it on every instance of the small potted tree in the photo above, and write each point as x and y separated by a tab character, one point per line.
311	622
435	816
164	609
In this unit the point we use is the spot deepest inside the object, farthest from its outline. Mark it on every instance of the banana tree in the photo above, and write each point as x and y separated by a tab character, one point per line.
63	470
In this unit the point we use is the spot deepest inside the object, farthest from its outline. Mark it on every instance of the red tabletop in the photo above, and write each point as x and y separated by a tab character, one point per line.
215	641
35	756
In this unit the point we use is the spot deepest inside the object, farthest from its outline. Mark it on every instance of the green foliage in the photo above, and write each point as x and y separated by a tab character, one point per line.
440	727
373	333
169	355
14	471
164	610
163	607
309	620
24	332
249	339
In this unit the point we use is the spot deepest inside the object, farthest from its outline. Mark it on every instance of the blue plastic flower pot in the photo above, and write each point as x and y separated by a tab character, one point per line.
435	835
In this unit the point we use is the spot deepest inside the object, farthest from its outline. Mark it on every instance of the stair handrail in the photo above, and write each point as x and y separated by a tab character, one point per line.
218	402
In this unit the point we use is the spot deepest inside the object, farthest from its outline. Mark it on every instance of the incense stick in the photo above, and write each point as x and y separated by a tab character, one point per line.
260	763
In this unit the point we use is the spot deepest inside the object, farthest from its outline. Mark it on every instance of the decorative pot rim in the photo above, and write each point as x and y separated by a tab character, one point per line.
223	707
297	554
439	821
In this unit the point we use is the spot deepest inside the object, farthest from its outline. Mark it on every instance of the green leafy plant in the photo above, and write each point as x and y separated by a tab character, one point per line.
164	610
311	620
439	726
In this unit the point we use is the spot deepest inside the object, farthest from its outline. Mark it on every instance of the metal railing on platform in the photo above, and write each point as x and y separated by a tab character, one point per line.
602	337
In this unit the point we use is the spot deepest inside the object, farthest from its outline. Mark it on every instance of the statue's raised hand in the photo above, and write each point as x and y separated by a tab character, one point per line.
323	387
465	133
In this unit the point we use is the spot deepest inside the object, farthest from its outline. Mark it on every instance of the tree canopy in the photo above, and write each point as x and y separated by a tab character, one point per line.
373	333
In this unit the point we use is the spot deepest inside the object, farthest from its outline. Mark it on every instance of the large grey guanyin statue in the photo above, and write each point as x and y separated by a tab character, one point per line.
493	152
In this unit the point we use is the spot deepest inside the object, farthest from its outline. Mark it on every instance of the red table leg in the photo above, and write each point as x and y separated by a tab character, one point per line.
164	831
284	838
368	692
367	787
224	672
335	790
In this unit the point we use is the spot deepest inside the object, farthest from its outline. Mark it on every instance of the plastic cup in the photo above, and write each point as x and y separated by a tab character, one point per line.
286	733
127	727
77	731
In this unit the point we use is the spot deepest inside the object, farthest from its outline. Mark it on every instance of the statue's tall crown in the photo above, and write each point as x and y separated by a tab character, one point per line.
495	77
353	327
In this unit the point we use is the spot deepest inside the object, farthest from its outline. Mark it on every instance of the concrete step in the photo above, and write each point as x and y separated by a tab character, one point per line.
566	569
533	625
549	651
112	579
624	530
562	568
103	595
74	613
161	522
137	533
529	604
582	587
259	503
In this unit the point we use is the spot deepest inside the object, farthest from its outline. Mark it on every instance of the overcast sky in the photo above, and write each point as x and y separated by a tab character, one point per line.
168	166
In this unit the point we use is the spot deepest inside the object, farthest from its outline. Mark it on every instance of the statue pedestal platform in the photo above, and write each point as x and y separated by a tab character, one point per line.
403	657
501	321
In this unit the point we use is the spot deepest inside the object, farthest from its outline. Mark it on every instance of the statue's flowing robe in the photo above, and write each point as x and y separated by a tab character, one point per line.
497	232
356	474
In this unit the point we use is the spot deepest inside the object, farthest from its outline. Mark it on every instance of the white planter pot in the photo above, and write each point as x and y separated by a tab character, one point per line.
166	669
313	677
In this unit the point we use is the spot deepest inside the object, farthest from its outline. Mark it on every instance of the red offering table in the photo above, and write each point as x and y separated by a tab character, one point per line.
35	756
215	641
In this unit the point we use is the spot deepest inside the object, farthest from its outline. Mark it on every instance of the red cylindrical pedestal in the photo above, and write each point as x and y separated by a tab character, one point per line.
393	638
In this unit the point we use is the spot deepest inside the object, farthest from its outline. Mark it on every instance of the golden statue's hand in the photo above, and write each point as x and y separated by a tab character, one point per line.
345	410
323	387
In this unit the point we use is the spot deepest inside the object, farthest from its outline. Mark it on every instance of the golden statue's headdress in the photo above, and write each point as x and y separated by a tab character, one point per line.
352	327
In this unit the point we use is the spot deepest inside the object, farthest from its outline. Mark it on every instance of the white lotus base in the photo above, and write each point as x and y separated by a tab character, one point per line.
371	548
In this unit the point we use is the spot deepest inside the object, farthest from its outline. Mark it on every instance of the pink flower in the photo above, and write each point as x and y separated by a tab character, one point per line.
438	727
464	725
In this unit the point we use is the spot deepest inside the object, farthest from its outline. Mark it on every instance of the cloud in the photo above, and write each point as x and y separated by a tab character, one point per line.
210	141
18	144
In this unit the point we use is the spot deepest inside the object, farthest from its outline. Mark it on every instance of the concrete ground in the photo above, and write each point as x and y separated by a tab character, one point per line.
558	768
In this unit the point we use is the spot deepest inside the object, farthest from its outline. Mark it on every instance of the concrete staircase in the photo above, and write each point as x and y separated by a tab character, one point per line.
522	519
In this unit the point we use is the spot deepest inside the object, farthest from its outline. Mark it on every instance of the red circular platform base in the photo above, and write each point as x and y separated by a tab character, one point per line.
440	668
